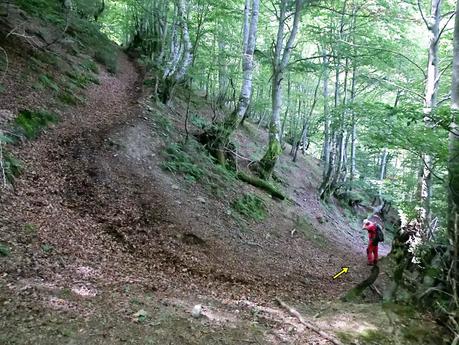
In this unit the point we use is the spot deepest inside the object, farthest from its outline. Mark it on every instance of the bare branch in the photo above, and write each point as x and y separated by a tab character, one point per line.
422	15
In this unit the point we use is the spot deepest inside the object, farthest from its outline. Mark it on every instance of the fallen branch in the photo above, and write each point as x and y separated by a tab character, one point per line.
252	244
308	325
376	290
259	183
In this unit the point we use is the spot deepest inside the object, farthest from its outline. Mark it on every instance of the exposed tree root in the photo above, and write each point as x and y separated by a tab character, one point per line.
259	183
308	325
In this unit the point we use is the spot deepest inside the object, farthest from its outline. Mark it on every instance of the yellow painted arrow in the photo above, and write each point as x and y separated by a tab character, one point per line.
343	270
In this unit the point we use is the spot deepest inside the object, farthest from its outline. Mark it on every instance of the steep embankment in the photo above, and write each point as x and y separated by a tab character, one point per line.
105	245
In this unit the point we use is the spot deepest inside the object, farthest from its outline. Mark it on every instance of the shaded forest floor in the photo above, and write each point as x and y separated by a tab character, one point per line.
107	246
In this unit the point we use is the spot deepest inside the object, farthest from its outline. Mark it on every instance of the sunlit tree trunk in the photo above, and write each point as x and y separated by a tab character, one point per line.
181	53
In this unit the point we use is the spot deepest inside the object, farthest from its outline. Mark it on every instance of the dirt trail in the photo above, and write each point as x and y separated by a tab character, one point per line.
93	212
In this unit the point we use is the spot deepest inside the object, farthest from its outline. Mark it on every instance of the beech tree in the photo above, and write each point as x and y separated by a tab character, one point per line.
282	50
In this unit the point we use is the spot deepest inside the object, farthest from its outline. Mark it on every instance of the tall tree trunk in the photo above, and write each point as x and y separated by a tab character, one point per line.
181	53
430	102
327	120
223	80
383	164
304	130
280	61
289	85
453	167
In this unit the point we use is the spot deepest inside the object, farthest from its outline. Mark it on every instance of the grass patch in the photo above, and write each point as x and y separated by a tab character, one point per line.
31	123
250	206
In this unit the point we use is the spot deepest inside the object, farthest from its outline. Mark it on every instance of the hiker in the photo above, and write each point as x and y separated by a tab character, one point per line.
372	250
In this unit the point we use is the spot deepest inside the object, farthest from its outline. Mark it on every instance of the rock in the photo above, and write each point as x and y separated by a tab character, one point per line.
197	311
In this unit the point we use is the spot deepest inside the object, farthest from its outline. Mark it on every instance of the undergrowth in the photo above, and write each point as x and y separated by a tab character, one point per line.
12	166
31	123
251	206
193	162
180	161
79	25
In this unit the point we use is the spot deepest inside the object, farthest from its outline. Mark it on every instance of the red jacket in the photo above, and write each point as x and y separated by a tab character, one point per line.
371	230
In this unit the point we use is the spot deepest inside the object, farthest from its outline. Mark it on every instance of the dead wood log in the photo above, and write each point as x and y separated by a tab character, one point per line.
262	184
309	325
358	290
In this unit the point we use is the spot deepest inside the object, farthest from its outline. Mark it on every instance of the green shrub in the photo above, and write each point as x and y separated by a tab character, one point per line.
31	123
12	166
4	250
47	248
199	121
179	161
251	206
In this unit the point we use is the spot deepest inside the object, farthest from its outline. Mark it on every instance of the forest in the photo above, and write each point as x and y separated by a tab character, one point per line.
198	171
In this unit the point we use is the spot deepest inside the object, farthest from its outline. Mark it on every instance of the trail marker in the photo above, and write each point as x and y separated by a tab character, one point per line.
343	270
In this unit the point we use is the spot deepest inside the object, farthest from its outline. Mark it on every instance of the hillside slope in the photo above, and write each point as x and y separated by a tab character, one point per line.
115	229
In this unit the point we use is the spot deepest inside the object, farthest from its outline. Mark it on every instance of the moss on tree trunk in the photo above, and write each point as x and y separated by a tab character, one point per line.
265	166
262	184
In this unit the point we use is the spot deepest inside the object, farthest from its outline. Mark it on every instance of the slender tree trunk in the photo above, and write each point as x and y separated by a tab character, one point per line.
289	85
304	130
327	120
383	164
430	102
353	129
453	168
223	80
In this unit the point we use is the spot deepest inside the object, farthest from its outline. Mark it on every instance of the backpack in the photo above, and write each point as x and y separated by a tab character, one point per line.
379	233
